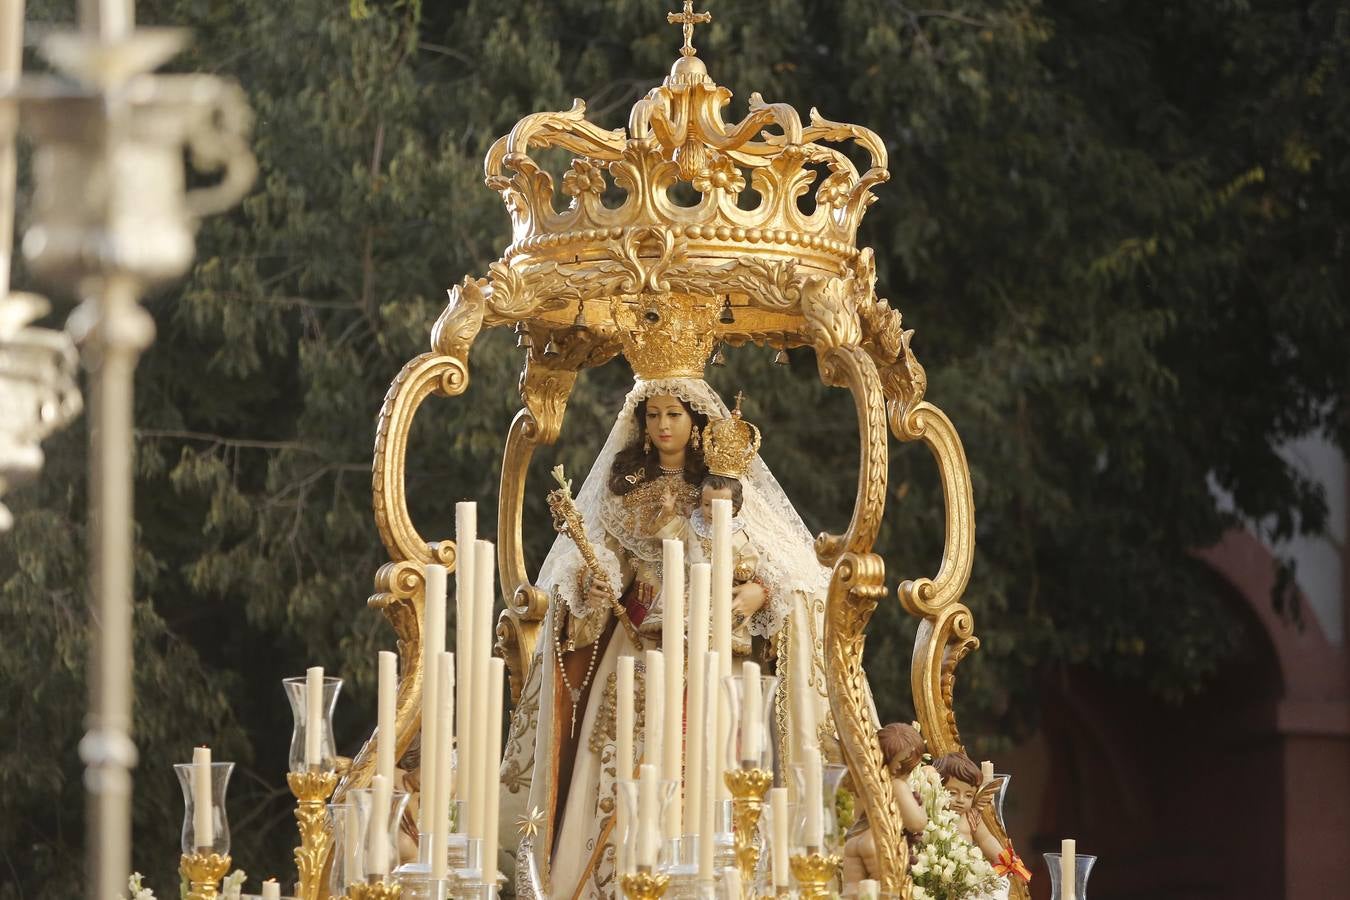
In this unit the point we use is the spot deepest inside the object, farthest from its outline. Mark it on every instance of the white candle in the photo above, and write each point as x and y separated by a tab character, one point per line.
203	821
815	790
483	776
986	772
440	801
696	730
721	625
353	855
802	659
271	890
869	889
493	755
672	645
1068	869
433	644
388	687
313	714
623	752
752	712
778	812
654	694
466	531
711	775
648	815
731	881
377	844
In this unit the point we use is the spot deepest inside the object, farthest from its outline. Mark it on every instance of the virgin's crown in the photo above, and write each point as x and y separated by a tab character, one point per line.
730	444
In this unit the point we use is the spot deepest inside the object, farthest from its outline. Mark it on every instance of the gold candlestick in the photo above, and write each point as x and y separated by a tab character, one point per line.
644	885
747	787
814	872
311	790
203	872
376	890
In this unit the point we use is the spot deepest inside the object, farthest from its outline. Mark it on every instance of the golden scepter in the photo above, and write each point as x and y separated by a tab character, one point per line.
567	520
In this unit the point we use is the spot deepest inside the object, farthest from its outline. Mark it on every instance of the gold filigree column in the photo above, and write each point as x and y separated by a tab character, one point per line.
202	872
311	790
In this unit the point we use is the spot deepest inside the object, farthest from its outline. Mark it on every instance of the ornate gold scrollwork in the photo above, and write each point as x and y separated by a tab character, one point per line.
852	367
544	390
858	584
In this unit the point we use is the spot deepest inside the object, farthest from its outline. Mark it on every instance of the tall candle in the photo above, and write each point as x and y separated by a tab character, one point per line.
377	843
484	576
655	708
440	801
623	749
353	854
466	531
986	772
707	803
672	645
388	687
868	889
493	755
433	644
271	890
721	625
648	815
814	799
203	822
1068	869
313	715
752	714
696	730
802	658
778	813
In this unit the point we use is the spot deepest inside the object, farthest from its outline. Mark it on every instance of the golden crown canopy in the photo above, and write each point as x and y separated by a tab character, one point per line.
730	444
774	272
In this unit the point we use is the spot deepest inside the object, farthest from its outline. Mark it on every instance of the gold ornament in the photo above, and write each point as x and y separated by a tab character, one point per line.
665	336
730	444
747	787
644	885
376	890
203	872
311	790
814	873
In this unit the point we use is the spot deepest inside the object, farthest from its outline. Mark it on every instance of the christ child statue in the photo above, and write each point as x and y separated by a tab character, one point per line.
729	447
902	748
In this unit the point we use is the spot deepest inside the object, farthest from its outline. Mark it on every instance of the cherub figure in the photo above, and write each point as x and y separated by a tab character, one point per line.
969	799
902	748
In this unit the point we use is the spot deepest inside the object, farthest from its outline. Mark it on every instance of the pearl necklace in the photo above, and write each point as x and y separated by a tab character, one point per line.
678	470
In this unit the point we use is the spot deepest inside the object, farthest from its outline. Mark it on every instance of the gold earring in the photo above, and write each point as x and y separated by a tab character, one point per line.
693	438
646	443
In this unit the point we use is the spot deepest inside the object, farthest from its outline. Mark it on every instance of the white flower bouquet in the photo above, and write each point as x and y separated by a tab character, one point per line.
946	866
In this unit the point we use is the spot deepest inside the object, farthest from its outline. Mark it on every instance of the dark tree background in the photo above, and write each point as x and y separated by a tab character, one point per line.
1118	228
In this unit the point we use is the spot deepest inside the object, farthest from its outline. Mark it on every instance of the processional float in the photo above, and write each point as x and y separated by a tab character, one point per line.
625	266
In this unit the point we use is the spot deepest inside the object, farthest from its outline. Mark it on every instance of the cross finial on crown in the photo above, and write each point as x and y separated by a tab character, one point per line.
688	19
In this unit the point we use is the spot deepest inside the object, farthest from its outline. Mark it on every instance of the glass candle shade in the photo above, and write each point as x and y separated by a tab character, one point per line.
296	693
640	846
349	856
1003	781
1082	869
736	755
364	801
831	837
220	824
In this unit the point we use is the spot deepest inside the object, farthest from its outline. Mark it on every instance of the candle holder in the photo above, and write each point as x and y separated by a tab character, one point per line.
219	844
830	839
738	755
1000	797
814	873
748	787
631	852
363	799
1082	869
348	866
202	872
311	790
375	890
644	885
296	693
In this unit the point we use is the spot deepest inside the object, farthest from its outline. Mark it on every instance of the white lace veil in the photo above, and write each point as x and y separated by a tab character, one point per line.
787	555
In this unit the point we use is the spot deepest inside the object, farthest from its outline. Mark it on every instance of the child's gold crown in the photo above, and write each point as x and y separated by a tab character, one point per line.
730	444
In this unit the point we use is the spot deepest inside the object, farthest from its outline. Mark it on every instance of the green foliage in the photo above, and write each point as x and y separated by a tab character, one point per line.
1118	229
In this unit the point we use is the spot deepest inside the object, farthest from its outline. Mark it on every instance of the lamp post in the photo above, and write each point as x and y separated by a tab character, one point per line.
112	218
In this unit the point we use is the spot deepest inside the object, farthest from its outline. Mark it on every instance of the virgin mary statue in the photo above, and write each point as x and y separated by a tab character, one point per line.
559	762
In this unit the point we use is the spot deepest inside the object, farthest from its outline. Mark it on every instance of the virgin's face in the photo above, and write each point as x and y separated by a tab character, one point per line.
668	425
